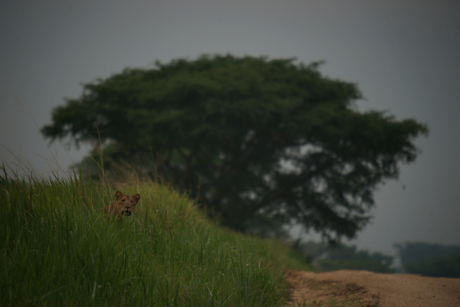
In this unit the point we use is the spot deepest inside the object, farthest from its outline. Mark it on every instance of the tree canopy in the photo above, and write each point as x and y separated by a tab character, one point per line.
256	140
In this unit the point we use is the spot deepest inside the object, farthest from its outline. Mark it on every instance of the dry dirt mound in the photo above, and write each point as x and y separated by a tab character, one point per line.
362	288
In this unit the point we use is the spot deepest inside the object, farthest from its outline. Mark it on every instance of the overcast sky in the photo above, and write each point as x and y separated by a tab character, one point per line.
404	56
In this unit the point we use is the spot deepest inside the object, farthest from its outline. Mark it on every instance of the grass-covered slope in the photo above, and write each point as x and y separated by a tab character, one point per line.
57	249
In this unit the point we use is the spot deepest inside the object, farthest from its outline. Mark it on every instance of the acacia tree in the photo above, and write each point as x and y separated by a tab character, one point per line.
253	139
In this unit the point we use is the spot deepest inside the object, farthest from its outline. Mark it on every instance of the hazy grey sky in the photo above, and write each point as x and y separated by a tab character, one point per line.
404	56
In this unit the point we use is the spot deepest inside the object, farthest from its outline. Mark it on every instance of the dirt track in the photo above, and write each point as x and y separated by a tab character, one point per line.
362	288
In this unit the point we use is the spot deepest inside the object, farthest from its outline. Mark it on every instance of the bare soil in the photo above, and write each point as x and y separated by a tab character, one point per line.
362	288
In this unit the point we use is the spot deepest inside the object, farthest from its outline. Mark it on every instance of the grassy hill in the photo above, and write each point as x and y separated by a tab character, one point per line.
57	249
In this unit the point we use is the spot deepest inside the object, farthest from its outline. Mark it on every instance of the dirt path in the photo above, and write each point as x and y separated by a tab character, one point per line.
362	288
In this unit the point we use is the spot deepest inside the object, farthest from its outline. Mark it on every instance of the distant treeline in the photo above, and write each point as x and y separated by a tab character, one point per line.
325	257
420	258
427	259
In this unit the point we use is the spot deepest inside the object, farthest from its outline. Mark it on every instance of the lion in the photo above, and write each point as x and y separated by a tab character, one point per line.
124	205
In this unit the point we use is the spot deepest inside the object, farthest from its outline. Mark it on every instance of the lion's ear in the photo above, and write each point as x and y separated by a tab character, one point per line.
118	195
137	197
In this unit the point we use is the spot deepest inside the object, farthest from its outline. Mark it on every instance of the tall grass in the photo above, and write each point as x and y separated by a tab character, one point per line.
57	249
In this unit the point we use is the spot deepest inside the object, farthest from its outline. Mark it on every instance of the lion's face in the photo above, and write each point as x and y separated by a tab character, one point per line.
125	204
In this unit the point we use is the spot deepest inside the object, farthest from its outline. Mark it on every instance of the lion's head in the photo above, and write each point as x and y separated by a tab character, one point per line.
124	205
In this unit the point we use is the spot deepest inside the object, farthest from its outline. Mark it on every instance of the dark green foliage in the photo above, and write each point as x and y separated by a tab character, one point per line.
253	139
436	267
427	259
342	257
347	257
421	251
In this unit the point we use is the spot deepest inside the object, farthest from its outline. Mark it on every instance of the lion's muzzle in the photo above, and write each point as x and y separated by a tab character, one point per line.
126	212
